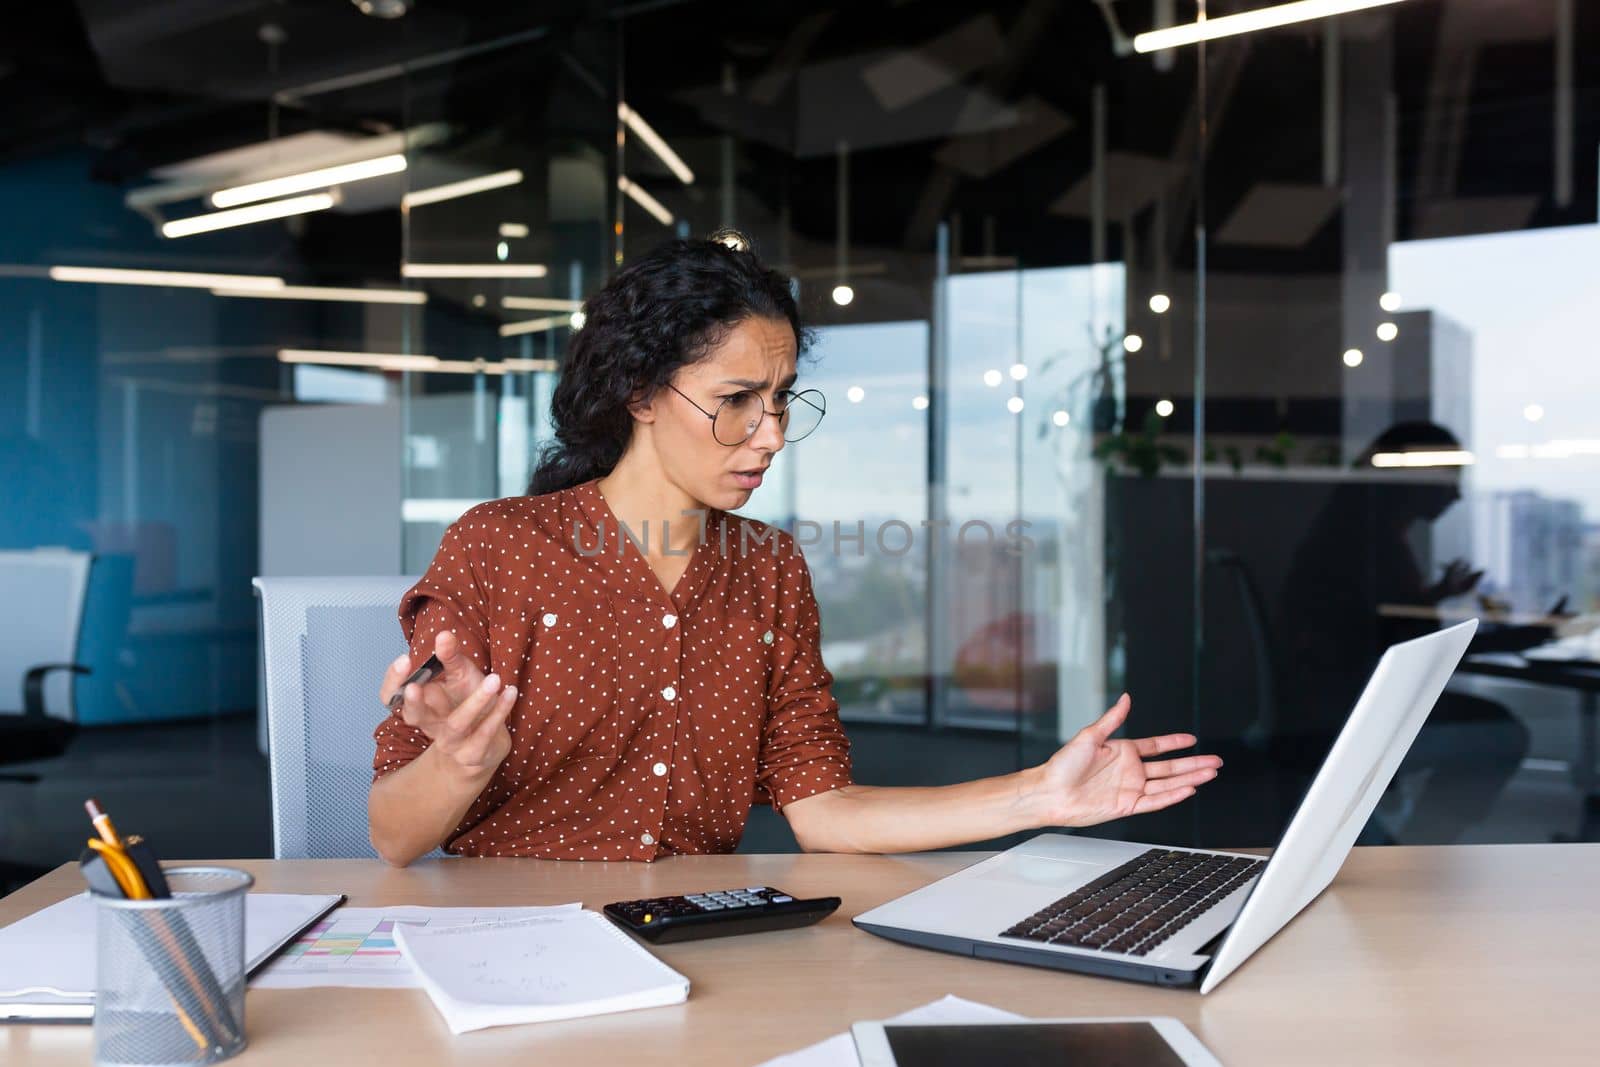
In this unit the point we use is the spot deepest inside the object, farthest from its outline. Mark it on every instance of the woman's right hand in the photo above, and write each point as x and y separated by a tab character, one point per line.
1458	578
462	711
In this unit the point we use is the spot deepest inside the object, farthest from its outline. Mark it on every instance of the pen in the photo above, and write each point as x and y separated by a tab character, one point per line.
431	668
149	867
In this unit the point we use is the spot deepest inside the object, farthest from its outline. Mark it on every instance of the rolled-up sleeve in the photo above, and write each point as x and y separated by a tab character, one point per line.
804	750
450	596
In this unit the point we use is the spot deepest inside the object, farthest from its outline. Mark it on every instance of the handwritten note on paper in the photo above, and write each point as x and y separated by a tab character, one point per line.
533	970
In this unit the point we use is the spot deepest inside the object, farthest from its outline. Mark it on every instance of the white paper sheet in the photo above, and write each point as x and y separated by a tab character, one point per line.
356	947
562	966
840	1049
48	957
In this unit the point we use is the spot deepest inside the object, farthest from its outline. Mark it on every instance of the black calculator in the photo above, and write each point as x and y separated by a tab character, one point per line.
692	916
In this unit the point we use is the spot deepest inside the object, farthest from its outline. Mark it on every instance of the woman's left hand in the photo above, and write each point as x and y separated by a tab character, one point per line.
1093	778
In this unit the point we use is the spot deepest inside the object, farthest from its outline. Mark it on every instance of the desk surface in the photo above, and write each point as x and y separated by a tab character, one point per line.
1479	954
1581	674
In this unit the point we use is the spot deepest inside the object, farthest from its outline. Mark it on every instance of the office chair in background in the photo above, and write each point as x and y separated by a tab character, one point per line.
46	588
325	644
1253	608
38	653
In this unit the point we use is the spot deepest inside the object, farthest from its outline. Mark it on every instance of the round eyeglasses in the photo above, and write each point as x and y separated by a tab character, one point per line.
738	416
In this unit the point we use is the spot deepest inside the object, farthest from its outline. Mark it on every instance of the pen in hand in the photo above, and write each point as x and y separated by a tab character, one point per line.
430	669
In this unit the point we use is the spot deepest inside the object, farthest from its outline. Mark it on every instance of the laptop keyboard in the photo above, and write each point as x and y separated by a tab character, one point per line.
1142	903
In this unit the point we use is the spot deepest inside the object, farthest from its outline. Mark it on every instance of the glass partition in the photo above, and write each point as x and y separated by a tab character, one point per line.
1202	374
1394	404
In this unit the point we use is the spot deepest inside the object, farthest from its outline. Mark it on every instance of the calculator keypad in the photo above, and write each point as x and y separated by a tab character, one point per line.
702	903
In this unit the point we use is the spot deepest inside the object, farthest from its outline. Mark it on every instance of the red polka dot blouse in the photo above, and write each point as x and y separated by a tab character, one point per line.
646	724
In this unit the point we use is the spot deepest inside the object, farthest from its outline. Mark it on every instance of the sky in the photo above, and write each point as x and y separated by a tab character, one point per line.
1531	300
869	456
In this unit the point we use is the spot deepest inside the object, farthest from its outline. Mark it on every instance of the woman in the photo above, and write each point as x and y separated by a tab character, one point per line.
611	695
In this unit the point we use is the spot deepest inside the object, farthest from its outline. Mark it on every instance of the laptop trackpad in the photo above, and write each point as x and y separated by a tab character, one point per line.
1019	868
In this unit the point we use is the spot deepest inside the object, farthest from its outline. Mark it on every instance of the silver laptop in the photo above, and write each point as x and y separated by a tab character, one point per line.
1178	916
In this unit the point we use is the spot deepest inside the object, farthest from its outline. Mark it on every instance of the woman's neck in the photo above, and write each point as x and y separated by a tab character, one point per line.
652	507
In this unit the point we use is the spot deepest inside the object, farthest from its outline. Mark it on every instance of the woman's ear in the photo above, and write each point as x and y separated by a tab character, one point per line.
642	407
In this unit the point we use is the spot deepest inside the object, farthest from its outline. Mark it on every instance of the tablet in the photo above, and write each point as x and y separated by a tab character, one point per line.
1129	1041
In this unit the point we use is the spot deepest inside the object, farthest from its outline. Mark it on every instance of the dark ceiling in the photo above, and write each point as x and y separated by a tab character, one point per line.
986	113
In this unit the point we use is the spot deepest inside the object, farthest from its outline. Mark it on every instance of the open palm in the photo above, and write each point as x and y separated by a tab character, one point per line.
1093	778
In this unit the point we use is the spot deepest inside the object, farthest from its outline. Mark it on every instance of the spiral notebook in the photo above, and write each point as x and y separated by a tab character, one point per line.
536	970
47	958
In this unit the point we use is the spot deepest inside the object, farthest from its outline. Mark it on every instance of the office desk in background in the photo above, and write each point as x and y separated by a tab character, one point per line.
1582	677
1481	954
1570	662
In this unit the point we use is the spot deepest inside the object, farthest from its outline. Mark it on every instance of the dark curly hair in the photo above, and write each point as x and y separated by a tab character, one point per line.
661	312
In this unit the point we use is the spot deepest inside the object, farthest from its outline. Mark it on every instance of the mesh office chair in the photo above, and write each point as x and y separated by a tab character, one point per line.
38	649
45	590
325	643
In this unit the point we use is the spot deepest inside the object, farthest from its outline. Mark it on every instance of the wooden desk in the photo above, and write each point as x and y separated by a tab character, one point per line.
1463	955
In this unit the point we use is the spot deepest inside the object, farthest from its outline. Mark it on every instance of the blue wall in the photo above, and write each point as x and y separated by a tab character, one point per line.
168	498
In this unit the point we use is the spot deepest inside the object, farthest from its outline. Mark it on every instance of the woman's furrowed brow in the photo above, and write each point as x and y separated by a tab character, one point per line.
746	383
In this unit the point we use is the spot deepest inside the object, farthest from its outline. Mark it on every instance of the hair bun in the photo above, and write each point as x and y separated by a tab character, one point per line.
732	239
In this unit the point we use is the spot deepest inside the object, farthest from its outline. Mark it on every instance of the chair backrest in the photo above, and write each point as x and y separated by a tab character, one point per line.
325	645
43	590
1253	608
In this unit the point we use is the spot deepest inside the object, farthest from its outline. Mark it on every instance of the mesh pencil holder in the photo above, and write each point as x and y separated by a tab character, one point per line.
170	973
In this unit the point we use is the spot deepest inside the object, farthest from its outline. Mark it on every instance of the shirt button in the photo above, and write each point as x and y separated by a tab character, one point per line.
549	619
660	770
766	638
669	693
669	621
647	838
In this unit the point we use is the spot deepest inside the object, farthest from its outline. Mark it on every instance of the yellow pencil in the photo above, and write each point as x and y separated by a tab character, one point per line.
102	823
122	869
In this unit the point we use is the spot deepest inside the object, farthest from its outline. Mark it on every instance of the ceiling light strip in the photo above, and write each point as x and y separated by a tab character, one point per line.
645	200
1442	458
513	329
1248	22
243	216
641	129
528	364
539	303
473	270
320	178
326	292
377	360
172	278
400	362
466	187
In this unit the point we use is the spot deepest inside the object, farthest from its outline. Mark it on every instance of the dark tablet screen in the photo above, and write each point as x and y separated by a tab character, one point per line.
1133	1044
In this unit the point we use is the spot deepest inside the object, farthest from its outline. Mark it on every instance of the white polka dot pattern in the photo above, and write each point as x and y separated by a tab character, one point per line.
646	723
